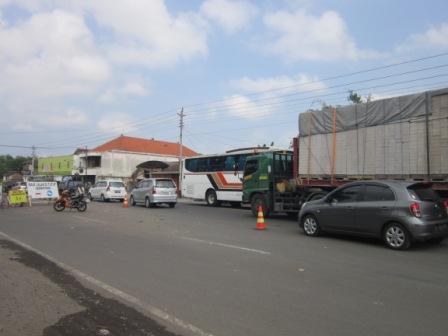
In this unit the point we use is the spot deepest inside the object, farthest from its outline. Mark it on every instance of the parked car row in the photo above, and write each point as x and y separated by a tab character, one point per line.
149	192
398	212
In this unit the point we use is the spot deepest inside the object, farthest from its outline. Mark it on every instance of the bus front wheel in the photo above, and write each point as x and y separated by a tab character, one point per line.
211	198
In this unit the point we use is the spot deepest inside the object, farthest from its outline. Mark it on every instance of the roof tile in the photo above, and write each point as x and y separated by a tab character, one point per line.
131	144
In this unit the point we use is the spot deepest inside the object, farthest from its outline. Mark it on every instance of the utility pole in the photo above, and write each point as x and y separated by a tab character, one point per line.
181	127
33	159
87	163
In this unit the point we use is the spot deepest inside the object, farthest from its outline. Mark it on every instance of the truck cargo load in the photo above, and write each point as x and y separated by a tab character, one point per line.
403	137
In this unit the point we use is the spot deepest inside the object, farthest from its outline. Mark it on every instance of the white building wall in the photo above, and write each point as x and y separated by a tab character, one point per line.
123	164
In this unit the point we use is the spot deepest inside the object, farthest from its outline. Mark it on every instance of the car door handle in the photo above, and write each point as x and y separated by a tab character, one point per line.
384	208
350	208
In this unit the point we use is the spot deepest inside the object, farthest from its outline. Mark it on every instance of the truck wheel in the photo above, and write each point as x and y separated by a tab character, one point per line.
257	201
311	226
211	198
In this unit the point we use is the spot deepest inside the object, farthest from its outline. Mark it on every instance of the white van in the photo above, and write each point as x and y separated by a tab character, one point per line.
106	190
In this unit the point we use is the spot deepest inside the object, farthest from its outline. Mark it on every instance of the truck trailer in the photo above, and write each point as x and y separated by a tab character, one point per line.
399	138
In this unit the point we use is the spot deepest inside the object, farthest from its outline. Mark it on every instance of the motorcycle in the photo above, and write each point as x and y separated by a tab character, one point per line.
67	200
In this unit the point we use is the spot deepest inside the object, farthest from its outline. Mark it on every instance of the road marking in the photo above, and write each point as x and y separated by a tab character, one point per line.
149	309
87	219
227	245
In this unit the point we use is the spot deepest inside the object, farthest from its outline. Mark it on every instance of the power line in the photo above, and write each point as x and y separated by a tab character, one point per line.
329	78
330	87
302	99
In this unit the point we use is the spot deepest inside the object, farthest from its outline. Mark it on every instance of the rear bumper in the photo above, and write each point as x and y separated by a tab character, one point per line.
437	229
164	199
110	195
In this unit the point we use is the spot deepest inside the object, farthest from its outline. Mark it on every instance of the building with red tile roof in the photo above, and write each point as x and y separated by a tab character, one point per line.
140	145
119	157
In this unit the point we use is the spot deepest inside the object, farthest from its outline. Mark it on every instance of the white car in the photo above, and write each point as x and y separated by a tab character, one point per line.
106	190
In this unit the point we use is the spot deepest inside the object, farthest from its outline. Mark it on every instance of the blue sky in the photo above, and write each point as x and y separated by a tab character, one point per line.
76	73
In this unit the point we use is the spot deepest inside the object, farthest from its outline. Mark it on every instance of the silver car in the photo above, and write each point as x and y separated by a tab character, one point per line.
398	212
154	191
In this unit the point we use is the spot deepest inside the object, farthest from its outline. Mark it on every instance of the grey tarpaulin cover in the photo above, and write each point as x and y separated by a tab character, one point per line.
363	115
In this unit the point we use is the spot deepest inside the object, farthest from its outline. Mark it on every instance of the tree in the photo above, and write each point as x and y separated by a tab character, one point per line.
354	97
10	163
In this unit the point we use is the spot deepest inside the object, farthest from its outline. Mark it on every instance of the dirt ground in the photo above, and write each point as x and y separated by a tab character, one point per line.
39	298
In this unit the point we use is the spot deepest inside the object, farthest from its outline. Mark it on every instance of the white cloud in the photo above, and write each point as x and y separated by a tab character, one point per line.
434	37
71	116
280	84
134	88
146	33
114	122
50	54
271	89
301	36
232	16
243	107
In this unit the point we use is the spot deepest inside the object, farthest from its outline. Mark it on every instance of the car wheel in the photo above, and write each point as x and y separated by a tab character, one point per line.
89	196
147	202
102	198
396	237
132	201
172	205
311	226
256	201
211	198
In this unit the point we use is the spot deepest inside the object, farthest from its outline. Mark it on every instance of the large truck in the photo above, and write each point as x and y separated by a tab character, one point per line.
399	138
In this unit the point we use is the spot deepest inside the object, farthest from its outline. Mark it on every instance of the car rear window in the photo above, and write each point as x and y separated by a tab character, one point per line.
116	184
376	193
164	184
423	192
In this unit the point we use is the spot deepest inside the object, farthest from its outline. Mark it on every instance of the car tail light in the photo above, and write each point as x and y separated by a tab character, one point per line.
415	210
445	203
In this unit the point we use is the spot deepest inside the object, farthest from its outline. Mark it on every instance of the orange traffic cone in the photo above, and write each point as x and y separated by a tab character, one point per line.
260	220
125	202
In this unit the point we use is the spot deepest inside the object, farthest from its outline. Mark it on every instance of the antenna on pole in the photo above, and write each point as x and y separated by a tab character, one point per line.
181	128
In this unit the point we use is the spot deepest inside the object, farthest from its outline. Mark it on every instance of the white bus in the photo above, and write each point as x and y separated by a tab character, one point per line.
217	178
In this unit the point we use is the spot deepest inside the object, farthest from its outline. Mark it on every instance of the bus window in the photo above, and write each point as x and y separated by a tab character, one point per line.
202	165
191	165
216	163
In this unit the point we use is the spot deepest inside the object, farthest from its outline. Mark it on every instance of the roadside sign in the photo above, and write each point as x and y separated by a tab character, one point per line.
18	196
42	190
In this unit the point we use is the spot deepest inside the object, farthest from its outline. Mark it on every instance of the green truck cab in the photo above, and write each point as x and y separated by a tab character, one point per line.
269	182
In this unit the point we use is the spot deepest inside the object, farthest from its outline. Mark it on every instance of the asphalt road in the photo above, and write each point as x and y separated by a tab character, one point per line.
209	267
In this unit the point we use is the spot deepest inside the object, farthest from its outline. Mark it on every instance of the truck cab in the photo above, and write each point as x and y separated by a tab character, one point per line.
268	181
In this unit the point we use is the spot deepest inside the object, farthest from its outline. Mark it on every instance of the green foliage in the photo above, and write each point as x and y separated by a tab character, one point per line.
10	163
354	97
